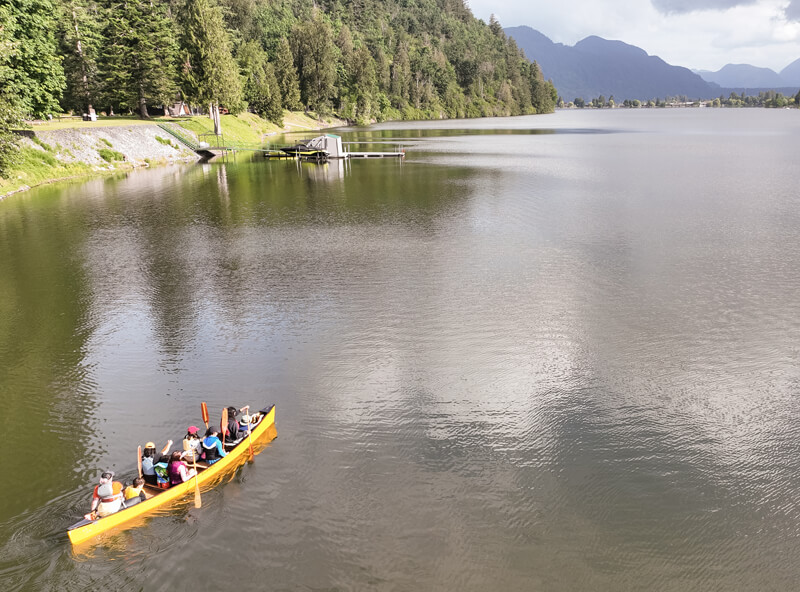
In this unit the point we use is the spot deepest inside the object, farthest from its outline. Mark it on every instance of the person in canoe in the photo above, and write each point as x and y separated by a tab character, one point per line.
212	447
134	492
149	459
178	471
161	469
244	424
232	430
107	496
192	445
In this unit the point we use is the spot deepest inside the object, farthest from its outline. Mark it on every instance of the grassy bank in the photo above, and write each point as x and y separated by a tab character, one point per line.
42	162
35	167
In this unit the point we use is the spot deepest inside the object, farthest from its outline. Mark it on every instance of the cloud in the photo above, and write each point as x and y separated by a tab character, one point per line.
792	12
684	6
707	34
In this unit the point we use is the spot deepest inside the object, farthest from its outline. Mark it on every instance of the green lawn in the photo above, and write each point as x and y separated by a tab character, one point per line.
245	127
78	123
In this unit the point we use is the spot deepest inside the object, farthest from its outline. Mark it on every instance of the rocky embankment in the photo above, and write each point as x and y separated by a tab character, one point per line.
70	153
139	145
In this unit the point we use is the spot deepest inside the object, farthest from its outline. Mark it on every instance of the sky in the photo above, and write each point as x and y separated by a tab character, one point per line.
698	34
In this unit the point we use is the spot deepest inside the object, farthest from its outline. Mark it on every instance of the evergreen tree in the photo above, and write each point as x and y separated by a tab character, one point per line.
261	87
365	84
541	91
241	19
37	76
139	62
495	27
286	74
9	109
382	70
81	41
401	75
210	73
312	46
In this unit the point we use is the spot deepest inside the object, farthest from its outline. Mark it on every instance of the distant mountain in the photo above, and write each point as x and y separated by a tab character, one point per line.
791	73
744	76
596	66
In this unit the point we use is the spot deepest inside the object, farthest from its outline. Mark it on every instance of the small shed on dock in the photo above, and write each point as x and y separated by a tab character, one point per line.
330	143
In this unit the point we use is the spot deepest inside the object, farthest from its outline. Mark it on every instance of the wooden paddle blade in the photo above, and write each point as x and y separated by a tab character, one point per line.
204	411
139	460
197	502
223	424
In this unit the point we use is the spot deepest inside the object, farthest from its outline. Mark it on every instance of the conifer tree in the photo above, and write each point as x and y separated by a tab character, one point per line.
37	76
365	83
9	111
312	46
139	61
210	73
260	88
81	41
286	73
541	91
401	75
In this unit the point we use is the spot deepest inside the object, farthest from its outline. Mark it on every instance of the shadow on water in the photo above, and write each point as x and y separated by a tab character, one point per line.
45	322
46	384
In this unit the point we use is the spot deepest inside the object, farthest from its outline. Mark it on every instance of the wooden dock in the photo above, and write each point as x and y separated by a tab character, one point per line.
399	154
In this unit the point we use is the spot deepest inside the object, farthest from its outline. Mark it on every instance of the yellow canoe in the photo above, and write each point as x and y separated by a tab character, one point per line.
262	431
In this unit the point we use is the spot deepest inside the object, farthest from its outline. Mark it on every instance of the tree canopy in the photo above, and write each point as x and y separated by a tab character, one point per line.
365	59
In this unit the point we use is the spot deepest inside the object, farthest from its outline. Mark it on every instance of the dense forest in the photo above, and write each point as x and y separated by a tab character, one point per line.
365	60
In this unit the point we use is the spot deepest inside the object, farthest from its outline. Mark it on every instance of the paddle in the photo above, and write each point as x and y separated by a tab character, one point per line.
197	502
223	425
249	437
204	411
139	459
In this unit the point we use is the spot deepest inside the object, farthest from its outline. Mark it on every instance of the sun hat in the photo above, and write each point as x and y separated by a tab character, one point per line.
150	445
192	429
107	475
245	418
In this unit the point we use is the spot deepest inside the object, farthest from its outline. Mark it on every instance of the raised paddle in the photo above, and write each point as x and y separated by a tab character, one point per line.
139	459
249	437
223	425
204	411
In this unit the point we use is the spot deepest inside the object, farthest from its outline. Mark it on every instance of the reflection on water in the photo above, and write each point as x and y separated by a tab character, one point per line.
537	353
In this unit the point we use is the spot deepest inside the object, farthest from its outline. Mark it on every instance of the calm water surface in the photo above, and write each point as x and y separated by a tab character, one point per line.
542	353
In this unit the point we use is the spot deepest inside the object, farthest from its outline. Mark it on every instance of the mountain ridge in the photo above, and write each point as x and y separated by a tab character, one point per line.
596	66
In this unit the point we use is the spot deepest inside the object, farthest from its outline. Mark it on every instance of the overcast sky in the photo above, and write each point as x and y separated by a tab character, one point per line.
701	34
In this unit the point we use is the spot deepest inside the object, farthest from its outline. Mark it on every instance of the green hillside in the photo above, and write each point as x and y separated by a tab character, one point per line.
364	60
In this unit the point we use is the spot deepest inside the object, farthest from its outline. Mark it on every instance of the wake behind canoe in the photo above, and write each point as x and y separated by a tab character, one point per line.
262	430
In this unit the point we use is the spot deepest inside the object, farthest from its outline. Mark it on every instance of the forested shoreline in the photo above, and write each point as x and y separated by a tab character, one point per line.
365	60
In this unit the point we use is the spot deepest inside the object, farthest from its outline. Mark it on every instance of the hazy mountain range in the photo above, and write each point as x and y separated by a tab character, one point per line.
748	76
597	66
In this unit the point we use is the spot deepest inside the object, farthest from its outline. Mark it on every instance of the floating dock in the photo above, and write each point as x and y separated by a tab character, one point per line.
399	154
328	147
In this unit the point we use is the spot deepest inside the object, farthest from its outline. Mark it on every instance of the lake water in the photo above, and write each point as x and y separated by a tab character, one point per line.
543	353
